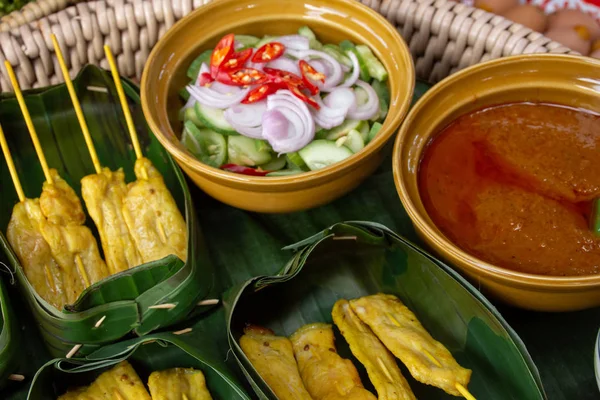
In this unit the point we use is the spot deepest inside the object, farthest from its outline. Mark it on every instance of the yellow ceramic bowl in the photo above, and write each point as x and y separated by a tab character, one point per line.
569	80
332	21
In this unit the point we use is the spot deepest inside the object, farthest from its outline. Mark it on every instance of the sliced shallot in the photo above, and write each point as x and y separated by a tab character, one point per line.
285	64
369	109
246	119
335	73
300	124
294	42
351	81
212	98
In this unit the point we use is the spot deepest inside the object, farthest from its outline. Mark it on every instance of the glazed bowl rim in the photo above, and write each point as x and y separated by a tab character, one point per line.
445	246
282	184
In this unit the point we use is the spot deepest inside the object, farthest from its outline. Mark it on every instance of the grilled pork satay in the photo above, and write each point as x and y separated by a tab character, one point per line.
273	357
72	243
103	194
178	384
326	375
119	383
26	239
401	332
151	214
368	349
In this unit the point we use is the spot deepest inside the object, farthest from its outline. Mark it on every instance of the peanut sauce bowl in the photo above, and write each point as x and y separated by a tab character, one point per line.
333	21
545	78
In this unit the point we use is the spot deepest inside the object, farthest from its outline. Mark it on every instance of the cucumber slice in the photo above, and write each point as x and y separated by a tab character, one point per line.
375	67
285	172
361	96
275	164
364	131
307	32
206	145
381	89
247	40
194	67
266	39
346	46
335	52
190	115
296	162
354	141
241	150
339	131
322	153
184	94
213	119
383	111
374	131
263	145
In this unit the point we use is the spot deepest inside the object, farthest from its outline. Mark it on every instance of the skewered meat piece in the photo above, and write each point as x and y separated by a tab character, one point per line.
326	375
40	267
103	194
178	384
152	216
273	358
401	332
72	244
367	348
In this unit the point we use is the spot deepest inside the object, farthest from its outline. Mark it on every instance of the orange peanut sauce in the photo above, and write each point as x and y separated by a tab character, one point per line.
513	185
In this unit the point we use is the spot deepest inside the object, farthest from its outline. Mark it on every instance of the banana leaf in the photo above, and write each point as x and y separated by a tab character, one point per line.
349	260
9	337
123	299
154	352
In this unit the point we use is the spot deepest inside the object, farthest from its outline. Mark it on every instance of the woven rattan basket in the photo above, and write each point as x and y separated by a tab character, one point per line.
444	36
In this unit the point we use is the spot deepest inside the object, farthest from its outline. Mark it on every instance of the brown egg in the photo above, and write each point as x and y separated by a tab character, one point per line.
496	6
577	39
572	18
528	15
595	54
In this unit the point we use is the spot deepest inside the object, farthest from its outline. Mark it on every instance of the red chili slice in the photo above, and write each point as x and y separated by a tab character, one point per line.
236	61
261	92
268	52
243	77
281	76
308	71
243	170
204	79
298	93
222	52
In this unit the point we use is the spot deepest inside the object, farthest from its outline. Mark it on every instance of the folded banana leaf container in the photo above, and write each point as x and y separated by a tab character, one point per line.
355	259
121	300
9	337
154	352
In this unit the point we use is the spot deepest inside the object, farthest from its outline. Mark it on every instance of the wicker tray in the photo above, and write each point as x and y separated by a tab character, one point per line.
444	36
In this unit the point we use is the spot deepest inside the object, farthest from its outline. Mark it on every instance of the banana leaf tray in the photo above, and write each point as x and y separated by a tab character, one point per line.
9	337
122	301
349	260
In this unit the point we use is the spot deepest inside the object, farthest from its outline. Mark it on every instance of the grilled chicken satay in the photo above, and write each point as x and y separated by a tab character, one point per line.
118	383
178	384
152	216
103	194
401	332
326	375
367	348
273	358
41	269
72	244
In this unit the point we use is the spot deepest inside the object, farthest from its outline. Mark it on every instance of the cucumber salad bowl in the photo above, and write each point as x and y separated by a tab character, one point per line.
278	106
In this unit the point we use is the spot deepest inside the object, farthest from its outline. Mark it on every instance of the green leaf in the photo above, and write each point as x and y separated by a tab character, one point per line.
9	337
123	299
354	259
150	353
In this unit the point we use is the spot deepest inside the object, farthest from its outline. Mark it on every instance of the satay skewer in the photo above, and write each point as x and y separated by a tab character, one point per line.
103	193
62	227
150	211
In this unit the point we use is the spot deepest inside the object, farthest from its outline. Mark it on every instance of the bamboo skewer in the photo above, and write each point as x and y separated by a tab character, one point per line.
39	151
124	105
28	121
76	105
